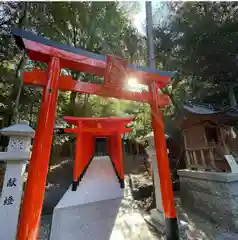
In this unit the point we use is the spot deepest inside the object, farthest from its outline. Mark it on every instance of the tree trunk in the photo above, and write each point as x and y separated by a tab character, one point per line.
232	97
21	22
73	96
85	104
19	67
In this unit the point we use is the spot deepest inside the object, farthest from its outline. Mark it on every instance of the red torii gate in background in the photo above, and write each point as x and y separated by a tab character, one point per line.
86	130
115	72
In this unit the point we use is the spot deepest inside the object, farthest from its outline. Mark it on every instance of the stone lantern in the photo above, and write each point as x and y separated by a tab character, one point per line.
16	157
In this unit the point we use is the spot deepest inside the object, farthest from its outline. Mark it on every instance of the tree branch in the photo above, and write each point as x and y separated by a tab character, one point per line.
23	17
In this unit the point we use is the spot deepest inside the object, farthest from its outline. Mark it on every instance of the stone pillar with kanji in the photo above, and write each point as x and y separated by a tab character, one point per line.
158	213
16	157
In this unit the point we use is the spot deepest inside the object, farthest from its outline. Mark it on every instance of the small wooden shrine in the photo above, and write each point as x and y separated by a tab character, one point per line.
209	135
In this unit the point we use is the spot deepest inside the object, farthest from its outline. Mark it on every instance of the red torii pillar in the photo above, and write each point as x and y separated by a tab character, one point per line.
84	151
86	129
38	169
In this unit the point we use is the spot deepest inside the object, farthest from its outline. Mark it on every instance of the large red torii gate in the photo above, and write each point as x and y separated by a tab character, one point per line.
86	129
115	72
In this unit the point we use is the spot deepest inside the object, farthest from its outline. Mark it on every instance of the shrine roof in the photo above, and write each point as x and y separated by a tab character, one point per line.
41	49
192	114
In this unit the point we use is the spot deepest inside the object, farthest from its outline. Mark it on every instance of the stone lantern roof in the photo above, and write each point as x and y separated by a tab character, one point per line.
21	129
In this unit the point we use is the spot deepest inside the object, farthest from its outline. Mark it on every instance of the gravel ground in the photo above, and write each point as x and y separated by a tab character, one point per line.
45	227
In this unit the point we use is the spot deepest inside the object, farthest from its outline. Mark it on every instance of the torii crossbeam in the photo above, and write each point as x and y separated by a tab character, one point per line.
115	72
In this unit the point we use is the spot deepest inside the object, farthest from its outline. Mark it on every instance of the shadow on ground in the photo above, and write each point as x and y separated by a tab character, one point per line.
58	180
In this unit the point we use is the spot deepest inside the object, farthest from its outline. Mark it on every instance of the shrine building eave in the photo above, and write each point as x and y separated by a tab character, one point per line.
193	114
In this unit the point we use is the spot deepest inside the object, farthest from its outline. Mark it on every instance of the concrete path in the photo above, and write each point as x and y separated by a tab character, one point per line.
98	210
129	223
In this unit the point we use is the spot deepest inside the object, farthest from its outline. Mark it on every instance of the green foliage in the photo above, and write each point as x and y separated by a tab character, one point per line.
198	40
100	27
11	14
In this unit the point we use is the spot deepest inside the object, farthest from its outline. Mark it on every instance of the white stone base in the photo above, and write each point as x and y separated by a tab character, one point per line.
94	221
158	218
89	212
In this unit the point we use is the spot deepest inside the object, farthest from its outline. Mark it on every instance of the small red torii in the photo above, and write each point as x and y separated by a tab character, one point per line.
85	130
